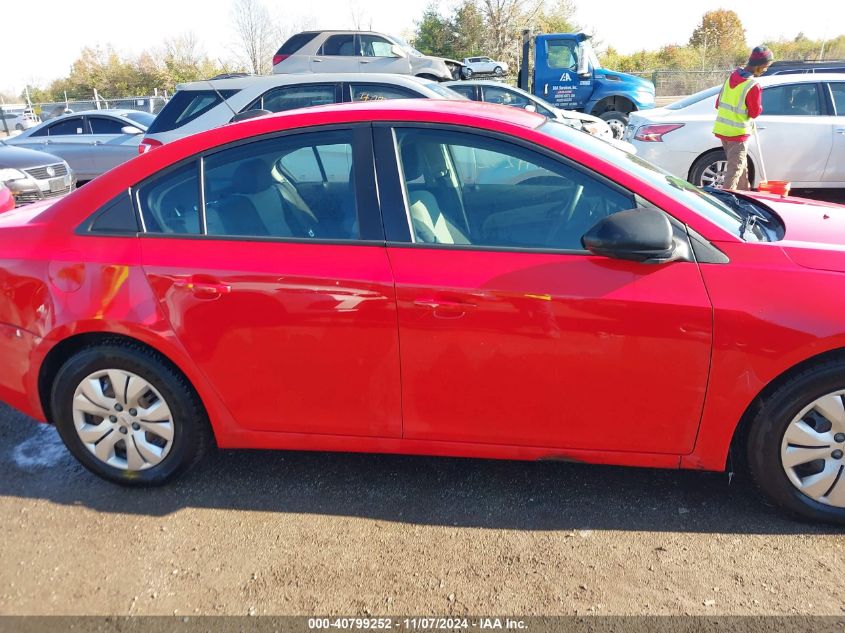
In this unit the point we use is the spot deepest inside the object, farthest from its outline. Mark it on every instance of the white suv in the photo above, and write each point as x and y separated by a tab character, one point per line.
484	66
202	105
360	51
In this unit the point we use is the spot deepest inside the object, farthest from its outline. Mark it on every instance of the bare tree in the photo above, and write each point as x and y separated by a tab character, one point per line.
505	19
361	19
257	35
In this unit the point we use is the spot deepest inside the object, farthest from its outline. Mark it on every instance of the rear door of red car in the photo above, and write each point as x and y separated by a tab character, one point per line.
511	333
268	258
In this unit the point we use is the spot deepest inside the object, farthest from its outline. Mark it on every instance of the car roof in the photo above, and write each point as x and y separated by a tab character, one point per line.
294	78
769	80
106	111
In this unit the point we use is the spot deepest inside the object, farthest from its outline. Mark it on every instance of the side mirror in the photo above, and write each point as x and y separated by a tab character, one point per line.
248	114
130	129
531	107
397	51
639	235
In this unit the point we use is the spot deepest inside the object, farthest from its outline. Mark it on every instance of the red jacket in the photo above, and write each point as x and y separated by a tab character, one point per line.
753	101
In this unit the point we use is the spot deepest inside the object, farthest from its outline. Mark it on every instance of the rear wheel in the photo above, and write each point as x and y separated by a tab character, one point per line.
498	71
617	121
796	444
709	170
128	416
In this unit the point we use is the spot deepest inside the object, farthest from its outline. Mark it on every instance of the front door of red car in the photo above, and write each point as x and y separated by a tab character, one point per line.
266	259
510	332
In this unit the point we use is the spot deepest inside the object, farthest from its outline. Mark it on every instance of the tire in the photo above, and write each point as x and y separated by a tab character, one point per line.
782	430
467	73
498	71
19	127
617	121
709	169
156	458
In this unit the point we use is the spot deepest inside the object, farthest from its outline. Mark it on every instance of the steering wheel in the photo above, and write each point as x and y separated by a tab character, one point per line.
563	215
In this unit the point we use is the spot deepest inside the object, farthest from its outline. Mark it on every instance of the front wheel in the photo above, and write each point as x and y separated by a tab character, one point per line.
617	121
498	71
796	444
127	415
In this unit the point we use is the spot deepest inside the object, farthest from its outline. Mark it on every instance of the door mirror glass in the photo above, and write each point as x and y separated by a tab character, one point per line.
640	235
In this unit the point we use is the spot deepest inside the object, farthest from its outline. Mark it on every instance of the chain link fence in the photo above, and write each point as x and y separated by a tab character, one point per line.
680	83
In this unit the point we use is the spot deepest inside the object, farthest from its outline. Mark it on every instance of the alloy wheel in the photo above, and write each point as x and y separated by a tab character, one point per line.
813	447
122	419
714	174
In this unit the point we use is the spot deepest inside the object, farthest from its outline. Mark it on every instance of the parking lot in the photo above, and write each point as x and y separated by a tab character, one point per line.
291	533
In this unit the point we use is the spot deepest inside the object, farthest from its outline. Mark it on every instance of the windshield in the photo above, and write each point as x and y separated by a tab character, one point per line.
698	96
698	200
145	119
407	47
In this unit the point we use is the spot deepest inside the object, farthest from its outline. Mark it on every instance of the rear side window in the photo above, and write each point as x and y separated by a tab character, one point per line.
792	100
295	42
293	97
343	45
170	203
185	106
117	216
380	92
70	126
466	91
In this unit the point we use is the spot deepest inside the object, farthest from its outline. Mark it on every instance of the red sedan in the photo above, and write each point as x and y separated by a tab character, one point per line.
429	278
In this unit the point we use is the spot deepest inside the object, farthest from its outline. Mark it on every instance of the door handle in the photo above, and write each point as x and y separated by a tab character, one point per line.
317	60
96	143
207	289
445	309
366	61
840	130
761	127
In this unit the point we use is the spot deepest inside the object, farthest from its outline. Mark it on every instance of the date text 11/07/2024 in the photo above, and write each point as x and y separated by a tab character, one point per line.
417	624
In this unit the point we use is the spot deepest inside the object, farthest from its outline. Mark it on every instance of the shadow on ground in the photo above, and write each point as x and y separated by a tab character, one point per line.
417	490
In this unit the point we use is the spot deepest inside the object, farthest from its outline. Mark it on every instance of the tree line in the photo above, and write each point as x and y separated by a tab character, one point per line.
474	27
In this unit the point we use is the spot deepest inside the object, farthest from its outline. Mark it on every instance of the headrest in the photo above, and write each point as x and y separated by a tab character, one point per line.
252	176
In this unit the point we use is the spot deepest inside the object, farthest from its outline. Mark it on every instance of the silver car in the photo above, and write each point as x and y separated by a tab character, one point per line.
360	51
92	142
32	176
202	105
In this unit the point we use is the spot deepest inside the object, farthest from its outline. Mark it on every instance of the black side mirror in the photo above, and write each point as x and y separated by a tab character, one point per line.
640	235
249	114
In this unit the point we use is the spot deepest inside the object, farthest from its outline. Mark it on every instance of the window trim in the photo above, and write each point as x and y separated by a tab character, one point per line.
831	100
391	199
370	225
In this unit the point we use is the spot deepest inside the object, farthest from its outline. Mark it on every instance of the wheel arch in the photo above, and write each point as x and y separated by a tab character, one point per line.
59	353
613	103
752	168
736	452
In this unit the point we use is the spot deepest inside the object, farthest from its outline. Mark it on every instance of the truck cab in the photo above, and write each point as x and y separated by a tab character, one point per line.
568	75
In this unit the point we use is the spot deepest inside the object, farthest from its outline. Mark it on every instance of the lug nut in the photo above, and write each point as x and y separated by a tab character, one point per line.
839	437
133	412
112	419
118	407
136	426
837	454
123	430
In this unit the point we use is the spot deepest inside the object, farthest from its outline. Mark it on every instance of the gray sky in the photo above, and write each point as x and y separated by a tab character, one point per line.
41	50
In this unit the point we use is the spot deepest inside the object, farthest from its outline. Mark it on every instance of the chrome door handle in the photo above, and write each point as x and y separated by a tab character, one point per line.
840	130
317	60
366	61
202	288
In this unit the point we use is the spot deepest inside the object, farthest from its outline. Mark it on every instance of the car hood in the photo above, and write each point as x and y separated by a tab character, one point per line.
22	158
815	230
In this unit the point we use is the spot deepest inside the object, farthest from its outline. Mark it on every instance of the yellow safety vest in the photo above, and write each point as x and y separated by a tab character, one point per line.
732	116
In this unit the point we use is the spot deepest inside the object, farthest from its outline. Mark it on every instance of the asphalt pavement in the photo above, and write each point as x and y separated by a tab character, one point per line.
260	532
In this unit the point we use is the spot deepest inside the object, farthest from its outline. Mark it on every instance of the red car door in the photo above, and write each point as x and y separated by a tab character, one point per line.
510	332
266	259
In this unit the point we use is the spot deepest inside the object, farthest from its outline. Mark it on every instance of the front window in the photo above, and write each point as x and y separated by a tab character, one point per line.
293	97
142	119
380	92
562	54
375	46
467	189
105	125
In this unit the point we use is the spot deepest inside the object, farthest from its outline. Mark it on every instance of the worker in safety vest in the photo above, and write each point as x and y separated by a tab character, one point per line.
740	102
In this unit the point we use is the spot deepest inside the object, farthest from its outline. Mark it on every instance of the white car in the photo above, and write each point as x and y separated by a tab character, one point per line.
491	91
359	52
483	66
801	132
18	121
202	105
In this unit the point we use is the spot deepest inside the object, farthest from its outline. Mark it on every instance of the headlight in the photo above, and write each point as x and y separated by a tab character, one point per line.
7	175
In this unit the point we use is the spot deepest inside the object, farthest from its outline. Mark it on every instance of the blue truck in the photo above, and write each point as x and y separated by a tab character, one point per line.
568	75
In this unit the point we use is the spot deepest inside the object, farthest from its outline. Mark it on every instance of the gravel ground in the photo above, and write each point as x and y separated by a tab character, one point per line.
310	533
